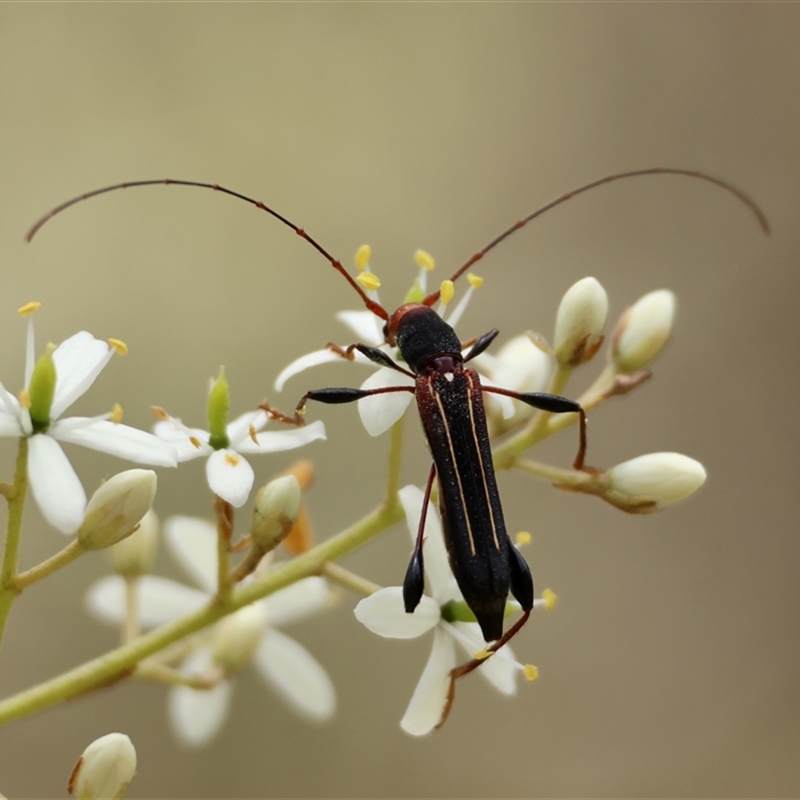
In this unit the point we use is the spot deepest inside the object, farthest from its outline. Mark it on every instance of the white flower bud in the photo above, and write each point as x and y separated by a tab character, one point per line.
655	480
579	322
105	769
134	555
275	511
116	508
643	330
237	637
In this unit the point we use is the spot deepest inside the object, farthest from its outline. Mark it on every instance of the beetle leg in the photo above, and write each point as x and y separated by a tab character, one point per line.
414	581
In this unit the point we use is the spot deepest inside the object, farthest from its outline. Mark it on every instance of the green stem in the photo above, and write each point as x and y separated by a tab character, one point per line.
349	579
16	505
224	514
120	663
48	567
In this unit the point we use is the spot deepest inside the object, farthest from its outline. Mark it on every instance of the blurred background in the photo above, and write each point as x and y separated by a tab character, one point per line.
670	666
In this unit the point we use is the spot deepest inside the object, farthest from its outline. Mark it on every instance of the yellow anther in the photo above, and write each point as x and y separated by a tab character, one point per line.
369	280
531	672
159	413
446	291
523	538
550	599
119	346
363	255
116	414
195	442
475	280
233	459
24	398
28	308
424	260
482	654
251	432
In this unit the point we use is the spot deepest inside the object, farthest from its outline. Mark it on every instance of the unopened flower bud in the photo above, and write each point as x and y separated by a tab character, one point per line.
275	511
105	769
655	480
237	637
115	509
643	330
579	322
134	555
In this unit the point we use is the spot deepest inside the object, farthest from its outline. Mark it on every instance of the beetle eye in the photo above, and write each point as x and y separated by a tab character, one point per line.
386	330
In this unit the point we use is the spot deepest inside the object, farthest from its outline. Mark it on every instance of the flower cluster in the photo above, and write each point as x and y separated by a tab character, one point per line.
240	603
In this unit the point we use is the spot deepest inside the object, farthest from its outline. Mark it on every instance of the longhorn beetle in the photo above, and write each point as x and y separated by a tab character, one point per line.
485	563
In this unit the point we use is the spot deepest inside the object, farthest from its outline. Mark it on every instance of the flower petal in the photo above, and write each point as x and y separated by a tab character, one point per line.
197	715
430	697
117	439
298	601
10	425
194	544
278	441
500	670
365	325
239	429
160	600
229	476
437	565
296	675
54	484
381	411
303	363
78	361
188	443
384	613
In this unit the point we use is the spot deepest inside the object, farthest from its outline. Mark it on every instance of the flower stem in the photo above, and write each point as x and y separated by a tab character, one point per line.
50	565
224	514
349	579
120	663
16	505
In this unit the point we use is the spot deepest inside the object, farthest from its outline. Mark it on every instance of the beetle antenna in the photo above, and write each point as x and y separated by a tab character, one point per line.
373	306
738	193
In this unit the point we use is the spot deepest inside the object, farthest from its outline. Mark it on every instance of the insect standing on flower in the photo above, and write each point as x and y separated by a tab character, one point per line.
449	395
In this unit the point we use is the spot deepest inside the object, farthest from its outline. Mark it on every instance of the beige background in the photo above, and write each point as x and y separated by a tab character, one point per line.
670	667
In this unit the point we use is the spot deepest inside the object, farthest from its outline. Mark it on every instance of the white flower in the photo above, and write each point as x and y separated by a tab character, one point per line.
197	715
655	480
74	366
521	366
643	330
384	613
229	474
105	769
116	508
579	322
379	412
